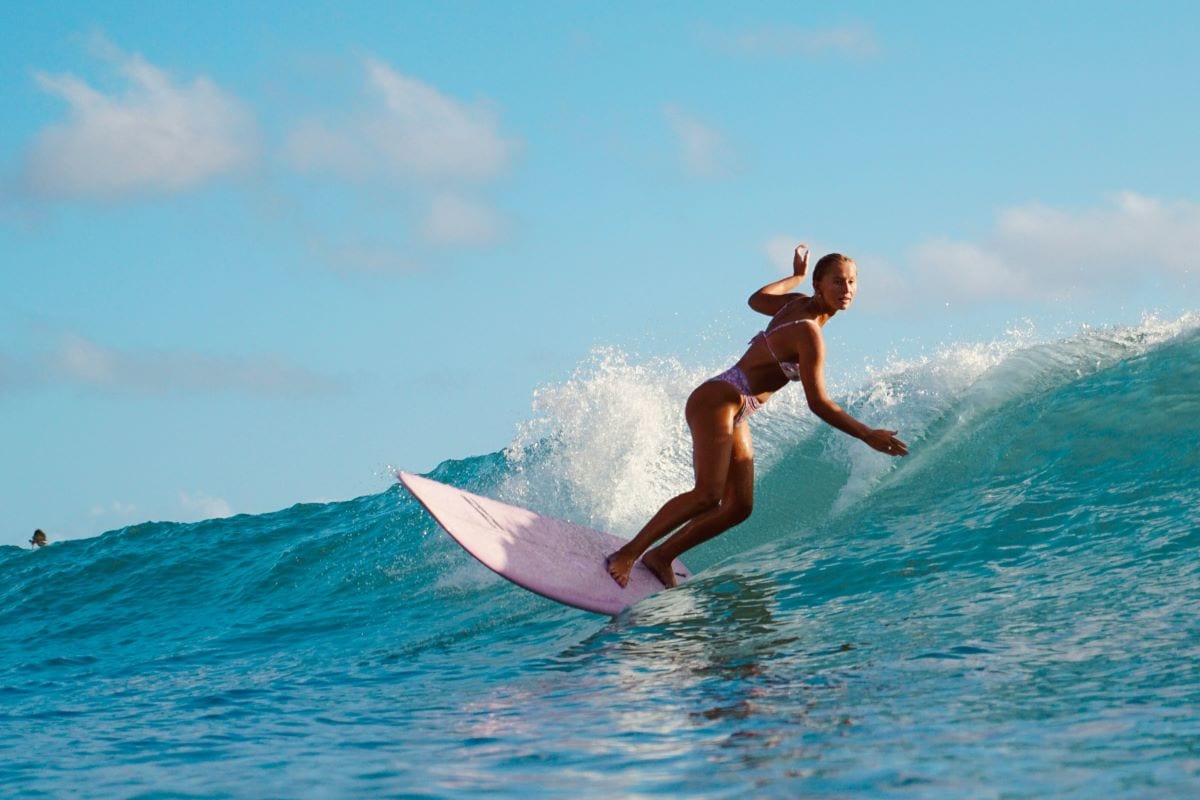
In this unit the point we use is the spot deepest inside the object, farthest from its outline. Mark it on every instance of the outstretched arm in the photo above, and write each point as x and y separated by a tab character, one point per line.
812	378
774	296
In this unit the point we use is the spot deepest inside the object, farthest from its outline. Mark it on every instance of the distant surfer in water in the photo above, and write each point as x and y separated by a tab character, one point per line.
790	349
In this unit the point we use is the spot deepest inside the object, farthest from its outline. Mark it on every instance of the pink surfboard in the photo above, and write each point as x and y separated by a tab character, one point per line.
553	558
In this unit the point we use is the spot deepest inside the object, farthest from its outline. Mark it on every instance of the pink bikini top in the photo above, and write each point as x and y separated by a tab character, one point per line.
790	369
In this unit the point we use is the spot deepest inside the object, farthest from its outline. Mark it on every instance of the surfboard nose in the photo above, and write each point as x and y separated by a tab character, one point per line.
551	557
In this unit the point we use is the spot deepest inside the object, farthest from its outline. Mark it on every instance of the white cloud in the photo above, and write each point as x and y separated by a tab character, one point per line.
81	361
787	41
779	250
410	131
456	220
963	269
199	505
191	506
702	148
882	286
155	136
124	511
440	152
1041	251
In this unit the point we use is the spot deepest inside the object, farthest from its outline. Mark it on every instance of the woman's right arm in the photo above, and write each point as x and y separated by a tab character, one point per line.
774	296
812	377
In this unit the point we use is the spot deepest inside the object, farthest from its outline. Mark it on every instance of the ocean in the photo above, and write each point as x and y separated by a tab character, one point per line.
1011	611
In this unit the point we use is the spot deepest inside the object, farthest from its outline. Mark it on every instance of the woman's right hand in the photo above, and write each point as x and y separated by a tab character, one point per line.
885	441
800	261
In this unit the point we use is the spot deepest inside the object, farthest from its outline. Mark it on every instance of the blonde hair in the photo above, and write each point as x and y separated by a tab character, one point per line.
827	263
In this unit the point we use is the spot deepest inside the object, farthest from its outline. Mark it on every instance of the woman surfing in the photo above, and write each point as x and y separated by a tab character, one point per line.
789	349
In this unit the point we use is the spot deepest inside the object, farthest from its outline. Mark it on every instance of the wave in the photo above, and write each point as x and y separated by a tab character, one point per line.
1024	453
609	445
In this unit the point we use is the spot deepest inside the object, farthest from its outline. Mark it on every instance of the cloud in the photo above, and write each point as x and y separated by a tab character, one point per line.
702	148
882	286
1041	251
788	41
118	509
409	132
440	152
192	506
156	136
456	220
83	362
779	250
199	505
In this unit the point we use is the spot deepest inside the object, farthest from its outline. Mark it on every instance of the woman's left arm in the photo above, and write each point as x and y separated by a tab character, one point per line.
774	296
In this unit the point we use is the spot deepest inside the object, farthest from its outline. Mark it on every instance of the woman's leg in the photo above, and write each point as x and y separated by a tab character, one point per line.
710	412
736	505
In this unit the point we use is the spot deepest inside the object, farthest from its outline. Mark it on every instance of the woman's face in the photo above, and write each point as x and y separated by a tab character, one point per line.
838	285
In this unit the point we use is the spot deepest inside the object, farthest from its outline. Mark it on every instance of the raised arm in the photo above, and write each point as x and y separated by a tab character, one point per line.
812	378
774	296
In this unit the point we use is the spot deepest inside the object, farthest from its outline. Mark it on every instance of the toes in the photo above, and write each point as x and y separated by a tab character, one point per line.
615	571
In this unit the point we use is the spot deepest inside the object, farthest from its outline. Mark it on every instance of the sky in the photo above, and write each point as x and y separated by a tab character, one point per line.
257	254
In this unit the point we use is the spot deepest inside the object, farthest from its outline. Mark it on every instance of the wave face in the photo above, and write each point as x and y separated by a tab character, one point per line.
1012	610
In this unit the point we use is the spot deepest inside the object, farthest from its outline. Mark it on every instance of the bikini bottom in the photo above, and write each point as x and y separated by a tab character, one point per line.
737	379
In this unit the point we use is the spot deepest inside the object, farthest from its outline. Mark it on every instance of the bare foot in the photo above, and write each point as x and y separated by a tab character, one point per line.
660	567
619	566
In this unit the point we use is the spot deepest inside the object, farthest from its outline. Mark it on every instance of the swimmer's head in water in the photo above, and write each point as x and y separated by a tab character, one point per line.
835	280
39	538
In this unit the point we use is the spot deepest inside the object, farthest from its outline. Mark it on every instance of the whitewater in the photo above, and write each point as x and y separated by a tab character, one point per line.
1011	611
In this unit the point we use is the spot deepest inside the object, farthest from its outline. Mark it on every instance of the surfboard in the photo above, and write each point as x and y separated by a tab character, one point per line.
554	558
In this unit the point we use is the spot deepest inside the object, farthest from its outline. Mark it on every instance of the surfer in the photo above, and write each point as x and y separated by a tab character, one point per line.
39	539
789	349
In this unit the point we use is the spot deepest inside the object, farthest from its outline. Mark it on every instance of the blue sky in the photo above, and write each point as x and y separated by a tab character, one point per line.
251	255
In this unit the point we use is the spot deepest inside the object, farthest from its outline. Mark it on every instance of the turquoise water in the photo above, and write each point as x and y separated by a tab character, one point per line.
1012	611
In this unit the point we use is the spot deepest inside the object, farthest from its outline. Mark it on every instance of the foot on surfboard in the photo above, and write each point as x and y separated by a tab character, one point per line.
619	567
661	569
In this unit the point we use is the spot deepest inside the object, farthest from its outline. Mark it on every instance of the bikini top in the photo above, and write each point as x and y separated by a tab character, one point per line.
790	369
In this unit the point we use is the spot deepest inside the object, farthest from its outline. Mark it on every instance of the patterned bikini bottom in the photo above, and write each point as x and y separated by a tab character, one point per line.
737	379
